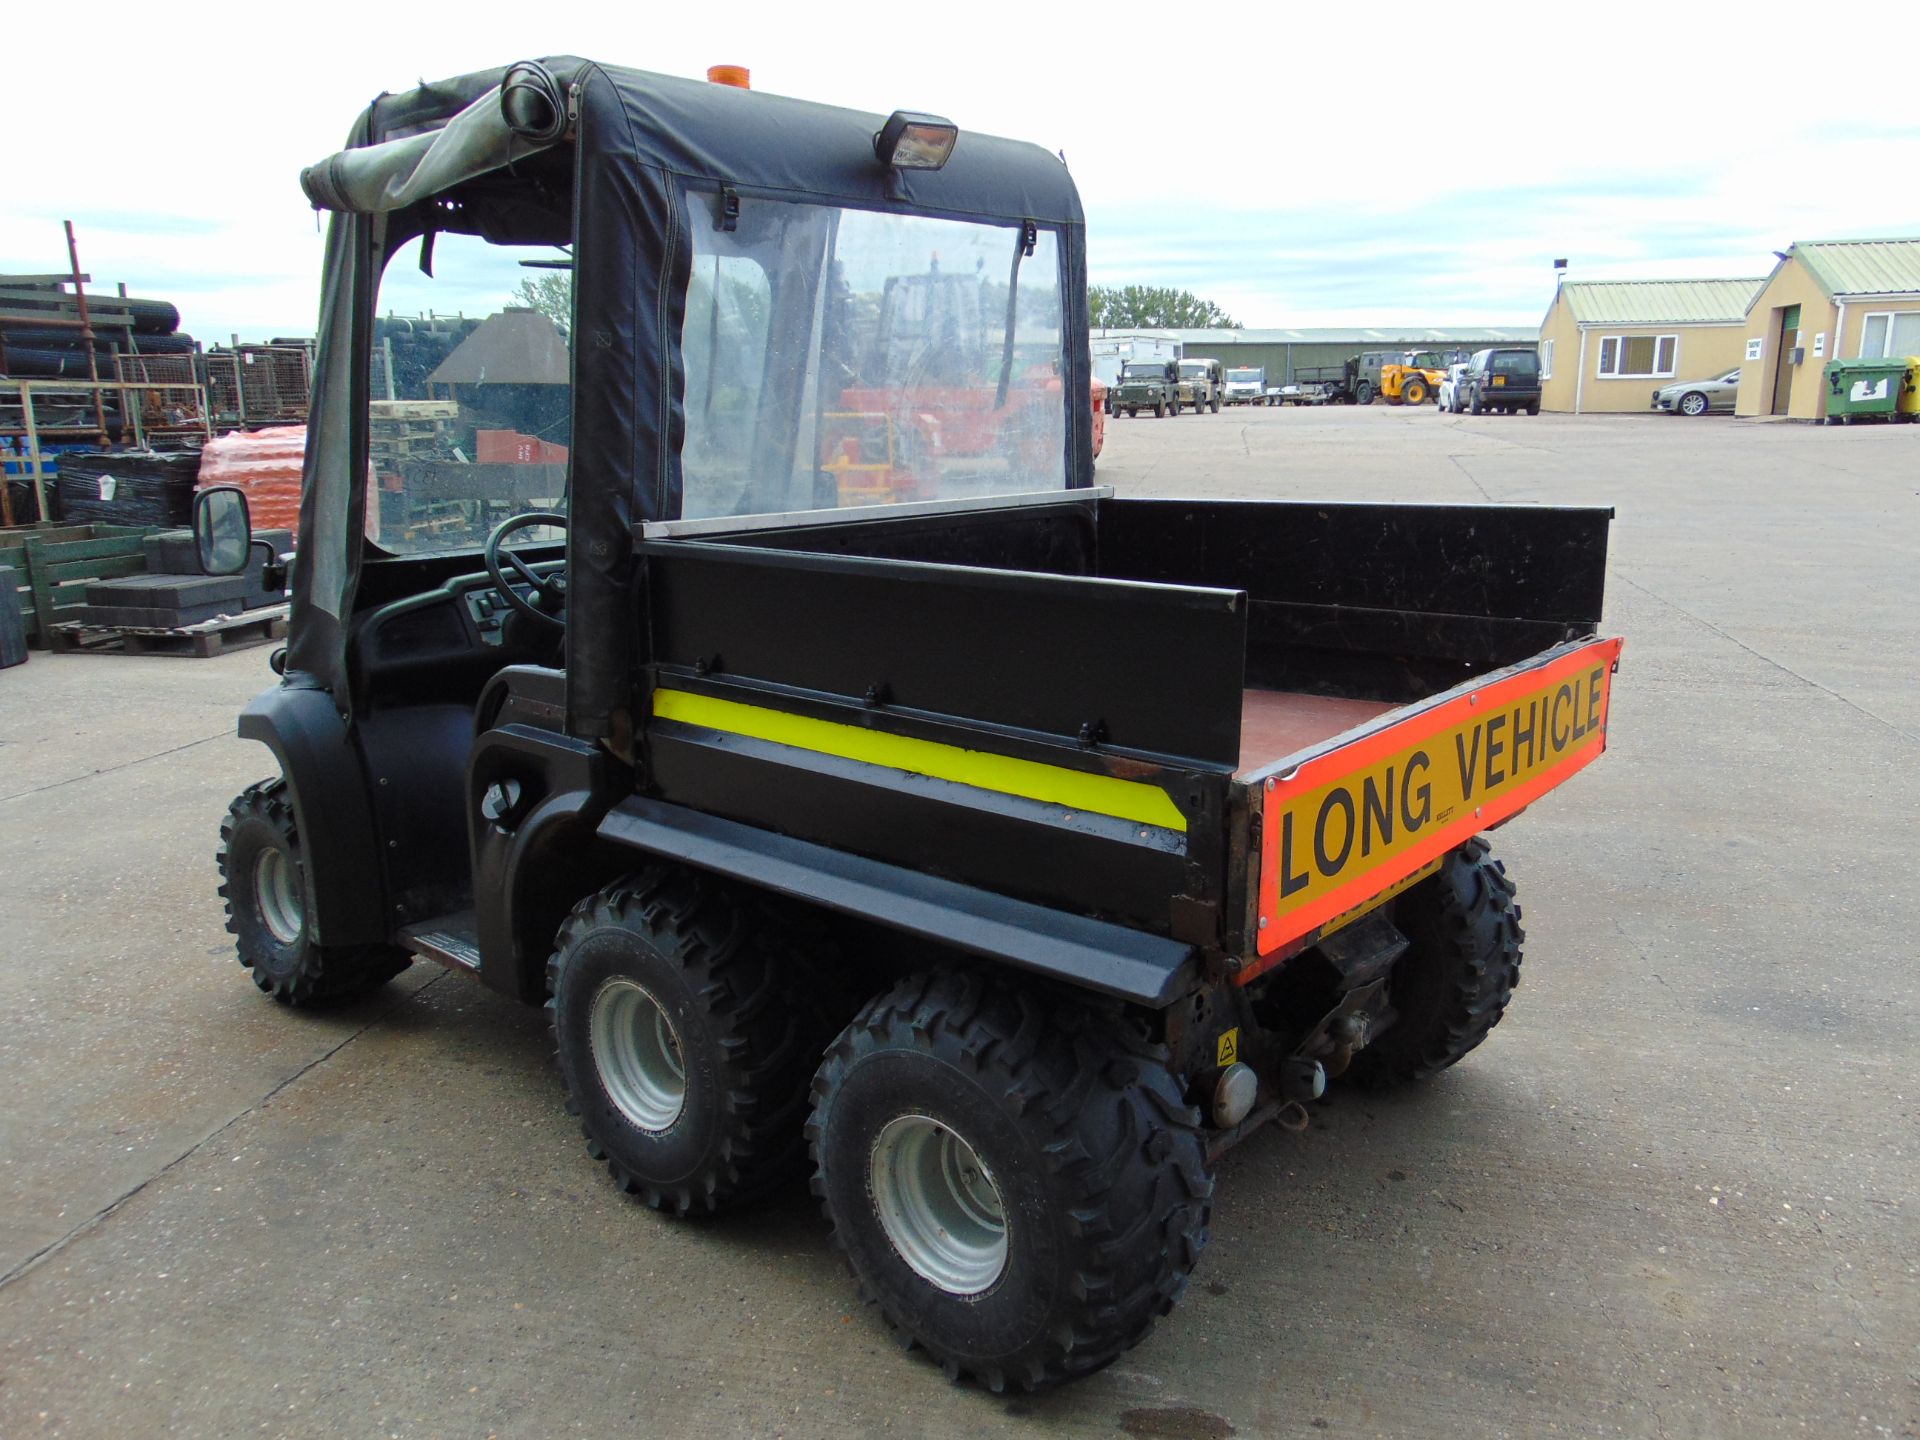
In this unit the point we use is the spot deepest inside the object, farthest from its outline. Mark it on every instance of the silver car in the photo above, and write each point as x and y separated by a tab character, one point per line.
1453	389
1698	397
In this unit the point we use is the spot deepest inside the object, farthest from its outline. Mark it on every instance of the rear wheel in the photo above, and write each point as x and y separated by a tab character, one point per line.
264	880
1451	986
1533	407
1021	1187
686	1025
1478	406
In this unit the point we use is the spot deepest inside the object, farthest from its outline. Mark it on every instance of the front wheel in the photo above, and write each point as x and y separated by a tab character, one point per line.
1452	984
1363	394
1020	1187
1693	403
265	880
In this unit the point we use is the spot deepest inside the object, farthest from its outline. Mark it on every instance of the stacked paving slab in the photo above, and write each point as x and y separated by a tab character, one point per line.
176	593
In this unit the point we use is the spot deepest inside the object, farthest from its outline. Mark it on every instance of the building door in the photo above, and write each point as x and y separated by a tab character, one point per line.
1783	359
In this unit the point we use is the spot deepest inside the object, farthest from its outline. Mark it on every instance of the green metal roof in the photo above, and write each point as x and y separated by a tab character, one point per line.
1862	267
1661	302
1378	337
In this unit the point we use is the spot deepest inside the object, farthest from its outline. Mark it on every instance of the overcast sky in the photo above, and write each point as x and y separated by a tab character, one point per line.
1356	165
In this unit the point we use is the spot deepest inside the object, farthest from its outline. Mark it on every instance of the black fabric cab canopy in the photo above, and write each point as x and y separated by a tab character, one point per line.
443	157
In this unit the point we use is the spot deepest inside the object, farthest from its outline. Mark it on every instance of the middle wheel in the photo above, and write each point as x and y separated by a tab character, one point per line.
686	1024
1021	1187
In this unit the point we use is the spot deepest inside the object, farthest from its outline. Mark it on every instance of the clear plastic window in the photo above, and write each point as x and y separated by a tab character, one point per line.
848	357
470	394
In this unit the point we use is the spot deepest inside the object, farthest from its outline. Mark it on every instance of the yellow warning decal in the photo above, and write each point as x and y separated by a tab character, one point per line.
1030	779
1228	1050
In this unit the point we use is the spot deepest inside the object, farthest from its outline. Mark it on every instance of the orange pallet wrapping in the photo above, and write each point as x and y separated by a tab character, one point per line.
266	465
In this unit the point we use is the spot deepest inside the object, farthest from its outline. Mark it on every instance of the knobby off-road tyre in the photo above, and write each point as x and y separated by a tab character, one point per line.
687	1023
1019	1186
264	881
1459	971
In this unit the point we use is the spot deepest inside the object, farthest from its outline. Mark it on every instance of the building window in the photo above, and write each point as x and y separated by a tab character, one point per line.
1546	359
1887	333
1637	357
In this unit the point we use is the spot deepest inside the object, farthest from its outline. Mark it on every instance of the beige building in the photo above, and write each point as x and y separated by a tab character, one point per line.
1826	298
1607	345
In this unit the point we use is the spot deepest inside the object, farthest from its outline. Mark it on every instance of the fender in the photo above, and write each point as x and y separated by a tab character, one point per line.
309	738
1116	960
529	870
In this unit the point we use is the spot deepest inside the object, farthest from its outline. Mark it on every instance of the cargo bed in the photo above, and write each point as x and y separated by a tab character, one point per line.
1089	702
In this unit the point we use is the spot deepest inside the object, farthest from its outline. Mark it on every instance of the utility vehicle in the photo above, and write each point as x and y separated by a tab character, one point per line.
996	856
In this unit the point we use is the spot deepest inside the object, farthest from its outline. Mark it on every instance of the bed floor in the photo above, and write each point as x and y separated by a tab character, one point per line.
1275	723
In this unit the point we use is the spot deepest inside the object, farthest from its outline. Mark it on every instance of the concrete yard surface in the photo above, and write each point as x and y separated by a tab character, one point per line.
1672	1196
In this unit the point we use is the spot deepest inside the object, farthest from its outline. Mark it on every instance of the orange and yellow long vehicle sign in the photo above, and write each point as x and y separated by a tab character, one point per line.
1348	824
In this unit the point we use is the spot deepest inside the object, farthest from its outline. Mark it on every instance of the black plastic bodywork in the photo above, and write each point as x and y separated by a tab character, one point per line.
1120	648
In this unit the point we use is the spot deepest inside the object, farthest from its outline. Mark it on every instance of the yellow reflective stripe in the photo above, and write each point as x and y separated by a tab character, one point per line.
1053	784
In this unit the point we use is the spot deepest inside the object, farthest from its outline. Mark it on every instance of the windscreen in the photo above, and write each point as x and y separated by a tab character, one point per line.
1245	377
838	357
470	392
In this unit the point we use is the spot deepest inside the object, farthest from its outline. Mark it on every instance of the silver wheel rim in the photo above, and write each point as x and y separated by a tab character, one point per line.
939	1205
636	1053
277	894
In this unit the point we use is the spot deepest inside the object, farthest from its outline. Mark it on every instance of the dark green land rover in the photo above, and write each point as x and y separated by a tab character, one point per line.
1146	385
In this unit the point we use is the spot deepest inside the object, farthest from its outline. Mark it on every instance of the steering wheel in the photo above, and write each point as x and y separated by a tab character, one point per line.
550	588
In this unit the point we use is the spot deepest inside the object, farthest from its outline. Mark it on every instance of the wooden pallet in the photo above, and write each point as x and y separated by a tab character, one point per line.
208	638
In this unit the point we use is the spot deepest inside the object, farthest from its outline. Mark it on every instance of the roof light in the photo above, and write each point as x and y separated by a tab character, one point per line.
912	141
737	76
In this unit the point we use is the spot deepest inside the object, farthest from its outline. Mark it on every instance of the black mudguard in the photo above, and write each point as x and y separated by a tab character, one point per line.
309	737
529	871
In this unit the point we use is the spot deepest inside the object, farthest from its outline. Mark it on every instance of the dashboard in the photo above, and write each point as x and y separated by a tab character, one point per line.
445	642
489	610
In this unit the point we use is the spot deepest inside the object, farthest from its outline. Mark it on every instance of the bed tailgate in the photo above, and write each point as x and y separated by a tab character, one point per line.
1344	828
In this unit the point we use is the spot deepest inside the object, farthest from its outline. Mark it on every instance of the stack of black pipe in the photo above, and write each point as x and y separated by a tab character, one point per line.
49	352
418	345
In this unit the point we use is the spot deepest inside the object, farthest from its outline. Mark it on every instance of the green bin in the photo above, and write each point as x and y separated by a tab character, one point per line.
1867	387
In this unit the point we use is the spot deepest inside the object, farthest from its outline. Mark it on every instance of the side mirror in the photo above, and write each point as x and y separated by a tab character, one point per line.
222	529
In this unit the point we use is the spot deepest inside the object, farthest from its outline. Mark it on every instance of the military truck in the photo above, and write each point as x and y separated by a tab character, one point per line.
1201	383
994	858
1146	385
